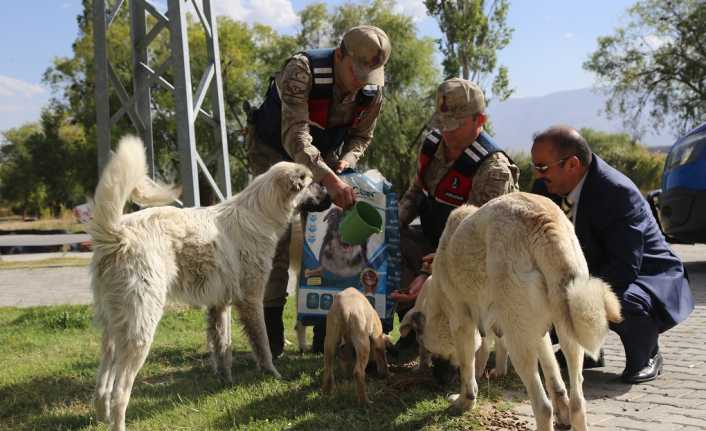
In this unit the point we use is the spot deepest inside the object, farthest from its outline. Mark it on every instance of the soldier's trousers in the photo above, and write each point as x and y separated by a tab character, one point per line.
414	246
261	158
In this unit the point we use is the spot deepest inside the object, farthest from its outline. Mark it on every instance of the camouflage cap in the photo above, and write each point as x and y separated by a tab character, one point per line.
370	48
456	100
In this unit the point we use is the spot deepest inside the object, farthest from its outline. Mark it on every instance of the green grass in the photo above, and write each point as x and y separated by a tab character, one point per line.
49	357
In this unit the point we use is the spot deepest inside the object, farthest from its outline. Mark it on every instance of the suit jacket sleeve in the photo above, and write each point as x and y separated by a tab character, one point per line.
620	232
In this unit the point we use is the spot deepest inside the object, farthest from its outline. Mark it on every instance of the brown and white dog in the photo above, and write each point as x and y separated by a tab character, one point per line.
353	323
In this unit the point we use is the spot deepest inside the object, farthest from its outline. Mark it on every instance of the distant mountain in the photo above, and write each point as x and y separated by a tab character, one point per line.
516	120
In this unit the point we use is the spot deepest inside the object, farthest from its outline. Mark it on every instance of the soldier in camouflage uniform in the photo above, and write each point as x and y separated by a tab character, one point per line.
458	164
320	111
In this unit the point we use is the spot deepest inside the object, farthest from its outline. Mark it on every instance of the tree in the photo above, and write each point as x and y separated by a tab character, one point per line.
18	184
473	34
628	156
655	66
315	26
46	165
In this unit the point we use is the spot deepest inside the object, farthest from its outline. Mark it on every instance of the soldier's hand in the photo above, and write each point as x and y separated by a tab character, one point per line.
341	166
403	297
415	288
341	193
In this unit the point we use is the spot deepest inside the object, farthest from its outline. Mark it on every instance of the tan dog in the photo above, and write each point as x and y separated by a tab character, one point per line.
441	341
353	321
514	267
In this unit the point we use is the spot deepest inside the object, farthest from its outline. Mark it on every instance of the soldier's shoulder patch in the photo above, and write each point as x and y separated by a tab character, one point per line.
499	175
430	141
295	81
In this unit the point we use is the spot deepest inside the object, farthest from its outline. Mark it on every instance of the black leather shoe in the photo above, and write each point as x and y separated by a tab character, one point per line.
646	374
588	362
275	330
317	345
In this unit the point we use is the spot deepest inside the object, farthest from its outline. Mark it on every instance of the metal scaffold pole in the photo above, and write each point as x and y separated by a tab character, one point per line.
189	105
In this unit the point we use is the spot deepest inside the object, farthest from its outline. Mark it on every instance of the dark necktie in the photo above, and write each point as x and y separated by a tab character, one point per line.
566	206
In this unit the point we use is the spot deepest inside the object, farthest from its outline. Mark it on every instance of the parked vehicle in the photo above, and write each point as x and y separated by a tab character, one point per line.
680	205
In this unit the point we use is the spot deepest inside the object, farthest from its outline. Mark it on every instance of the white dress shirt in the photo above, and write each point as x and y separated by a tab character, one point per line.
573	198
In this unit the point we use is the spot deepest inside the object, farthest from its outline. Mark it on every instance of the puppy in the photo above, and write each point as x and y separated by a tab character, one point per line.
444	361
211	257
352	321
337	257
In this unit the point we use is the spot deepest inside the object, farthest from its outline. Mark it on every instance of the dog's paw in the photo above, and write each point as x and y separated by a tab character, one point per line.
461	404
496	373
102	407
365	402
274	373
225	378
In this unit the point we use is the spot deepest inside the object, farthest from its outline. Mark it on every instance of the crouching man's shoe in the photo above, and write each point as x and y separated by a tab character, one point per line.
648	373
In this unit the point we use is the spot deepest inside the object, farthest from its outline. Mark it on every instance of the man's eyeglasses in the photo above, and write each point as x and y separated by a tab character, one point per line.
542	168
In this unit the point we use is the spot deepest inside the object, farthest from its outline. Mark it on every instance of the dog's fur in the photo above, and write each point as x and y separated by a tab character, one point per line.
213	257
353	322
441	341
515	267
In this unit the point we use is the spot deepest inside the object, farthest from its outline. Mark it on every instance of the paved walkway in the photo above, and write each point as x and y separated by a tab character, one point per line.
675	401
44	286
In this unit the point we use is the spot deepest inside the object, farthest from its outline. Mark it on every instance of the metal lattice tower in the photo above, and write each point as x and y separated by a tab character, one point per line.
188	106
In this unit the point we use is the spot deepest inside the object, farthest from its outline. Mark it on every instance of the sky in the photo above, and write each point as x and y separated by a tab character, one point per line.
552	39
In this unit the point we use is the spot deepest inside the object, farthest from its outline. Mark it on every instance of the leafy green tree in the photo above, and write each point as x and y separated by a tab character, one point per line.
628	156
19	187
315	26
524	161
474	31
46	165
655	66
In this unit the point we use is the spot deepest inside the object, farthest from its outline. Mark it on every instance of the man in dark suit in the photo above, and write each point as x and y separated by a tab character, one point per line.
622	244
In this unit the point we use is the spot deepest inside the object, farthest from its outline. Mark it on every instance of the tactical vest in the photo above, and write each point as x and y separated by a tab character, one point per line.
455	187
268	117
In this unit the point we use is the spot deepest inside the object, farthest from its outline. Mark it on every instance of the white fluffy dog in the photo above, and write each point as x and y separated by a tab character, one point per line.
212	257
514	267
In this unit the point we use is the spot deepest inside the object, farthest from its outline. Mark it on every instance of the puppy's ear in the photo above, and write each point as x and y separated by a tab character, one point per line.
388	342
412	320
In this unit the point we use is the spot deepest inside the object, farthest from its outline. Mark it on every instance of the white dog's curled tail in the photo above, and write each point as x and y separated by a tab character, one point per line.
125	177
592	304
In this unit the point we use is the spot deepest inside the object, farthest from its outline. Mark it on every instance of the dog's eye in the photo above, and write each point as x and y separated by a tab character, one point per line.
302	176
